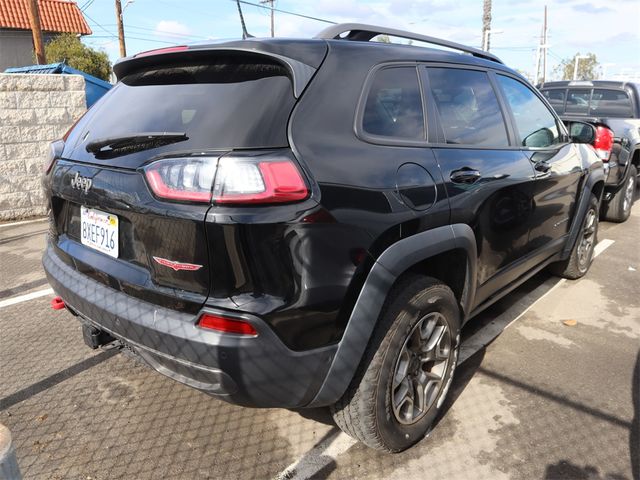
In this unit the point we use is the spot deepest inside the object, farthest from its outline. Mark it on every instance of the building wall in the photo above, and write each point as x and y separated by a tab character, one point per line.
34	111
16	48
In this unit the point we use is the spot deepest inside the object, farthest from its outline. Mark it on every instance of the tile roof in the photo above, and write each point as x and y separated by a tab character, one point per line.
55	16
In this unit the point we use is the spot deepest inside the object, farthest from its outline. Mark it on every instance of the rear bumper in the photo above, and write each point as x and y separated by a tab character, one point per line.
255	371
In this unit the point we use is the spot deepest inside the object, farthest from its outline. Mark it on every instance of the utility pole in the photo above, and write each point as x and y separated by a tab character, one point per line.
36	30
544	47
123	47
486	25
271	5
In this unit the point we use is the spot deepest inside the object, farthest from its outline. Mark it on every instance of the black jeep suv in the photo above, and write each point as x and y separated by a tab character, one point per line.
300	223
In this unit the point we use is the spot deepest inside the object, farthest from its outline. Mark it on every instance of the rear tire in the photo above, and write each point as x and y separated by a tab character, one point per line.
578	263
407	368
618	208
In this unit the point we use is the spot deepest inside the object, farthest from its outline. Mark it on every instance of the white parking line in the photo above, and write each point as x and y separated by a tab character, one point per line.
23	222
26	297
317	458
602	246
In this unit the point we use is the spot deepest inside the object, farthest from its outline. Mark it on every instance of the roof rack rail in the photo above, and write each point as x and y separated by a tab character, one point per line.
363	32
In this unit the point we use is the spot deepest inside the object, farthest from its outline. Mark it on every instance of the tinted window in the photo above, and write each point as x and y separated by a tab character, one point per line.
223	102
555	98
468	107
613	103
536	125
577	101
394	105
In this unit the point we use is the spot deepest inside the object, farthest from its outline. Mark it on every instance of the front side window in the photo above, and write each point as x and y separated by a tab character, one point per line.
394	105
578	101
535	123
610	103
468	107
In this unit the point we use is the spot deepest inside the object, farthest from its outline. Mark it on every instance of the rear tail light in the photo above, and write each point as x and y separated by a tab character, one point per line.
55	151
226	325
603	142
262	179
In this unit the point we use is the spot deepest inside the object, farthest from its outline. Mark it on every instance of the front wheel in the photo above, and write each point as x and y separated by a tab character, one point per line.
581	256
407	369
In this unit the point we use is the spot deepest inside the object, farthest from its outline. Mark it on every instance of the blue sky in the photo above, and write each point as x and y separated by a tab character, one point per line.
610	29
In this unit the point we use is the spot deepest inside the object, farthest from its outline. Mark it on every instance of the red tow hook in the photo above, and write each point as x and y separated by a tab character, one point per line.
57	303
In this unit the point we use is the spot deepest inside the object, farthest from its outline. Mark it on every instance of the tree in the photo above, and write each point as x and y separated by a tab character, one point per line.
69	49
588	68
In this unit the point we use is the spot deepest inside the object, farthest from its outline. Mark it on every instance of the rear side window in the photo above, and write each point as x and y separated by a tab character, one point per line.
577	101
535	123
223	101
394	105
468	107
556	99
610	103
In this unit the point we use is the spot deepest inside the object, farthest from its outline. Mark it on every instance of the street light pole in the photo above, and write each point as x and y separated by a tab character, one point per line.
575	65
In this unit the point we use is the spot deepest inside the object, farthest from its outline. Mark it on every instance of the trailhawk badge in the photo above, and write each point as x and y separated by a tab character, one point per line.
177	265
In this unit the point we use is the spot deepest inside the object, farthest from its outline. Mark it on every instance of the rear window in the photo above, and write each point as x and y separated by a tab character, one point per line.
555	99
577	101
225	101
394	105
610	103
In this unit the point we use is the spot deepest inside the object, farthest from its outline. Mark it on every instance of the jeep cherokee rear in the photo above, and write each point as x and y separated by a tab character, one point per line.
299	223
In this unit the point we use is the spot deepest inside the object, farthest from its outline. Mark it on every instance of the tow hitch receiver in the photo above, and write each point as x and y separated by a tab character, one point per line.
94	337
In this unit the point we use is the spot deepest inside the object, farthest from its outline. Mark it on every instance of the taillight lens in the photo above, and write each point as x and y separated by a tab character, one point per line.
226	325
55	152
228	180
241	180
182	179
603	142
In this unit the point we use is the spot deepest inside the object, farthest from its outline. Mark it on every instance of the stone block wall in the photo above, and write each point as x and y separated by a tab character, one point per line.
34	110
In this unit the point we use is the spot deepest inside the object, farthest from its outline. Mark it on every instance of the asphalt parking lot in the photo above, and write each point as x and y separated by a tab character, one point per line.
549	389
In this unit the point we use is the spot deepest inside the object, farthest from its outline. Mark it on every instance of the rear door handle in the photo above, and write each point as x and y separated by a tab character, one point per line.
465	175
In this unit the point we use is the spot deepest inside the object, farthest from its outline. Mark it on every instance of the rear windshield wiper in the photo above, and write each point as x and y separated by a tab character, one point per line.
122	145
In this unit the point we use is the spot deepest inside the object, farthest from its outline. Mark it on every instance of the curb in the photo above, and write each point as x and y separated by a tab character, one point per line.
9	469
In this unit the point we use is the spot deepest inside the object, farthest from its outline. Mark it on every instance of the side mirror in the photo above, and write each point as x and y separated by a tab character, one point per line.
582	132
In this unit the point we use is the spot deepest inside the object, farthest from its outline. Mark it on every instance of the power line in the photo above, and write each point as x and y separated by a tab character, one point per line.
309	17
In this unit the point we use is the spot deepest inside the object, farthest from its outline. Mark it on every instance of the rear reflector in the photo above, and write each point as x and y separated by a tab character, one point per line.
226	325
57	303
603	142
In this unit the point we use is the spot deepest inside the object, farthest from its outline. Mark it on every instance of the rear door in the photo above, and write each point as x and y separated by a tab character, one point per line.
558	167
489	181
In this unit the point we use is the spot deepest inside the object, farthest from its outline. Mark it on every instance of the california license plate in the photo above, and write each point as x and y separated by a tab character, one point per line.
99	230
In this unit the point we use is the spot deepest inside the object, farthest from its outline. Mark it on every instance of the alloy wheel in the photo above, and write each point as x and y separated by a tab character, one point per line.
587	241
419	375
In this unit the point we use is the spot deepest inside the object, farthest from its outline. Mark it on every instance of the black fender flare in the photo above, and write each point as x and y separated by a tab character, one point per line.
394	261
593	177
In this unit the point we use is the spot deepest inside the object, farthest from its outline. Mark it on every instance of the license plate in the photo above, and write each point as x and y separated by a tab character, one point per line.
99	230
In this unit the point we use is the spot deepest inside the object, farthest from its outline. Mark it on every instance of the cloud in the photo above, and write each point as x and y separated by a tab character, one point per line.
171	29
590	8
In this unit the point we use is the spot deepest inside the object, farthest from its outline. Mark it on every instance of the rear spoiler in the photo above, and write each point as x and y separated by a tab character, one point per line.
300	73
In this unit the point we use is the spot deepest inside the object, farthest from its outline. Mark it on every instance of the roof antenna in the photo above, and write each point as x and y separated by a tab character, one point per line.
245	34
